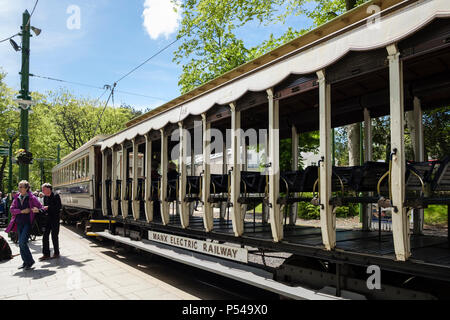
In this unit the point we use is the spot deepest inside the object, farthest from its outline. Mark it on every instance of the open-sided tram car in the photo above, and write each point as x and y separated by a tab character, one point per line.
352	69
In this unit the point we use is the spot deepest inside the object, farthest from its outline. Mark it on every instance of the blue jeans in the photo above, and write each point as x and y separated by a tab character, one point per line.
24	233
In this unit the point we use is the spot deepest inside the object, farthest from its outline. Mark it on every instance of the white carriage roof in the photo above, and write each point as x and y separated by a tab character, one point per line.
356	30
93	141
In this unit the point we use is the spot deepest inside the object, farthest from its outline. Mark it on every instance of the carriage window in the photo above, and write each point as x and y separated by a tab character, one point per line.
86	167
83	168
130	164
140	166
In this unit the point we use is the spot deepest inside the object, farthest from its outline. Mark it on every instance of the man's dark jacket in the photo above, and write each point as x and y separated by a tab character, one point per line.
54	205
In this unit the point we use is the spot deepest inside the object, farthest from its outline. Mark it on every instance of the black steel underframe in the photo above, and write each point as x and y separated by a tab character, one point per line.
411	267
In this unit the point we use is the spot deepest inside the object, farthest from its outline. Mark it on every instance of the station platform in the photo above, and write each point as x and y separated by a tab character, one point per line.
86	270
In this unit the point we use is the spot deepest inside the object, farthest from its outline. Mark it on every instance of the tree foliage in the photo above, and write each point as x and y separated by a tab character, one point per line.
58	118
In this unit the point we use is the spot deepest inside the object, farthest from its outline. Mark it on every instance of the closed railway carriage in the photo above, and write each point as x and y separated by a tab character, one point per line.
77	180
346	71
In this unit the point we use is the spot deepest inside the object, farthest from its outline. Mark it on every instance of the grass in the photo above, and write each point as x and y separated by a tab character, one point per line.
435	215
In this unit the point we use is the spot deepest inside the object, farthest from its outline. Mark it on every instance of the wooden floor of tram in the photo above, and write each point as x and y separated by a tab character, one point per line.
424	248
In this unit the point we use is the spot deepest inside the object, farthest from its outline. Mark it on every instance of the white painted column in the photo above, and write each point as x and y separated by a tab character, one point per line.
135	203
236	211
327	216
294	207
115	203
244	167
104	202
192	204
148	179
400	223
223	205
184	206
207	207
164	164
124	203
367	157
419	156
276	216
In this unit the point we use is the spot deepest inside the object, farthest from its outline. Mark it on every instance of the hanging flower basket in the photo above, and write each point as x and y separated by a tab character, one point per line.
24	157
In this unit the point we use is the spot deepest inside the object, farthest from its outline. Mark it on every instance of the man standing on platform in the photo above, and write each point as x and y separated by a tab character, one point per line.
52	204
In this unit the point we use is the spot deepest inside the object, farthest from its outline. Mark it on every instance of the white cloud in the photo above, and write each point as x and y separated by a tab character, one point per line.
160	19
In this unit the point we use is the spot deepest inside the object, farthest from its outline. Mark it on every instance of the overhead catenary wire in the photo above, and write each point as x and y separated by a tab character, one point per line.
32	11
96	87
6	39
27	24
153	56
111	94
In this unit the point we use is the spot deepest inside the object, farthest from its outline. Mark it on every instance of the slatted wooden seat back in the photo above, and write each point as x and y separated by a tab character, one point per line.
293	179
172	189
344	175
252	182
365	178
414	169
118	189
310	176
219	183
154	189
441	181
193	185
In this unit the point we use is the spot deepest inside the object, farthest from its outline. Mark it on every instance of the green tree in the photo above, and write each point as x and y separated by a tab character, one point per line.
436	124
9	118
76	119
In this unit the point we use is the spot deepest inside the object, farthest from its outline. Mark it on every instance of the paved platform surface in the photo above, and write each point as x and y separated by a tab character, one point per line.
85	271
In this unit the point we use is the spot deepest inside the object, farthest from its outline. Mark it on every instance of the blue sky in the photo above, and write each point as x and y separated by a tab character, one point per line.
110	41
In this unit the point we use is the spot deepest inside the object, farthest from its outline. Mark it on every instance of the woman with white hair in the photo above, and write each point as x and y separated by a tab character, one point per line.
23	209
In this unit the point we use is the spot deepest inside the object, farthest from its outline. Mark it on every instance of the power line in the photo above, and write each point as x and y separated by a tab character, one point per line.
100	118
29	19
9	38
157	53
32	11
65	81
96	87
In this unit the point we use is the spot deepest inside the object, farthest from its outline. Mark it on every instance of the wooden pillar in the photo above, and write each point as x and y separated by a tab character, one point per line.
419	154
134	202
124	203
236	213
244	167
192	204
104	200
276	217
294	207
366	218
400	223
207	207
327	214
115	173
184	206
148	180
223	205
164	164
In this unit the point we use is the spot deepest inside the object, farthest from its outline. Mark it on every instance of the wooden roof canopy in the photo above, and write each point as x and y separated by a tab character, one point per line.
355	65
337	24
